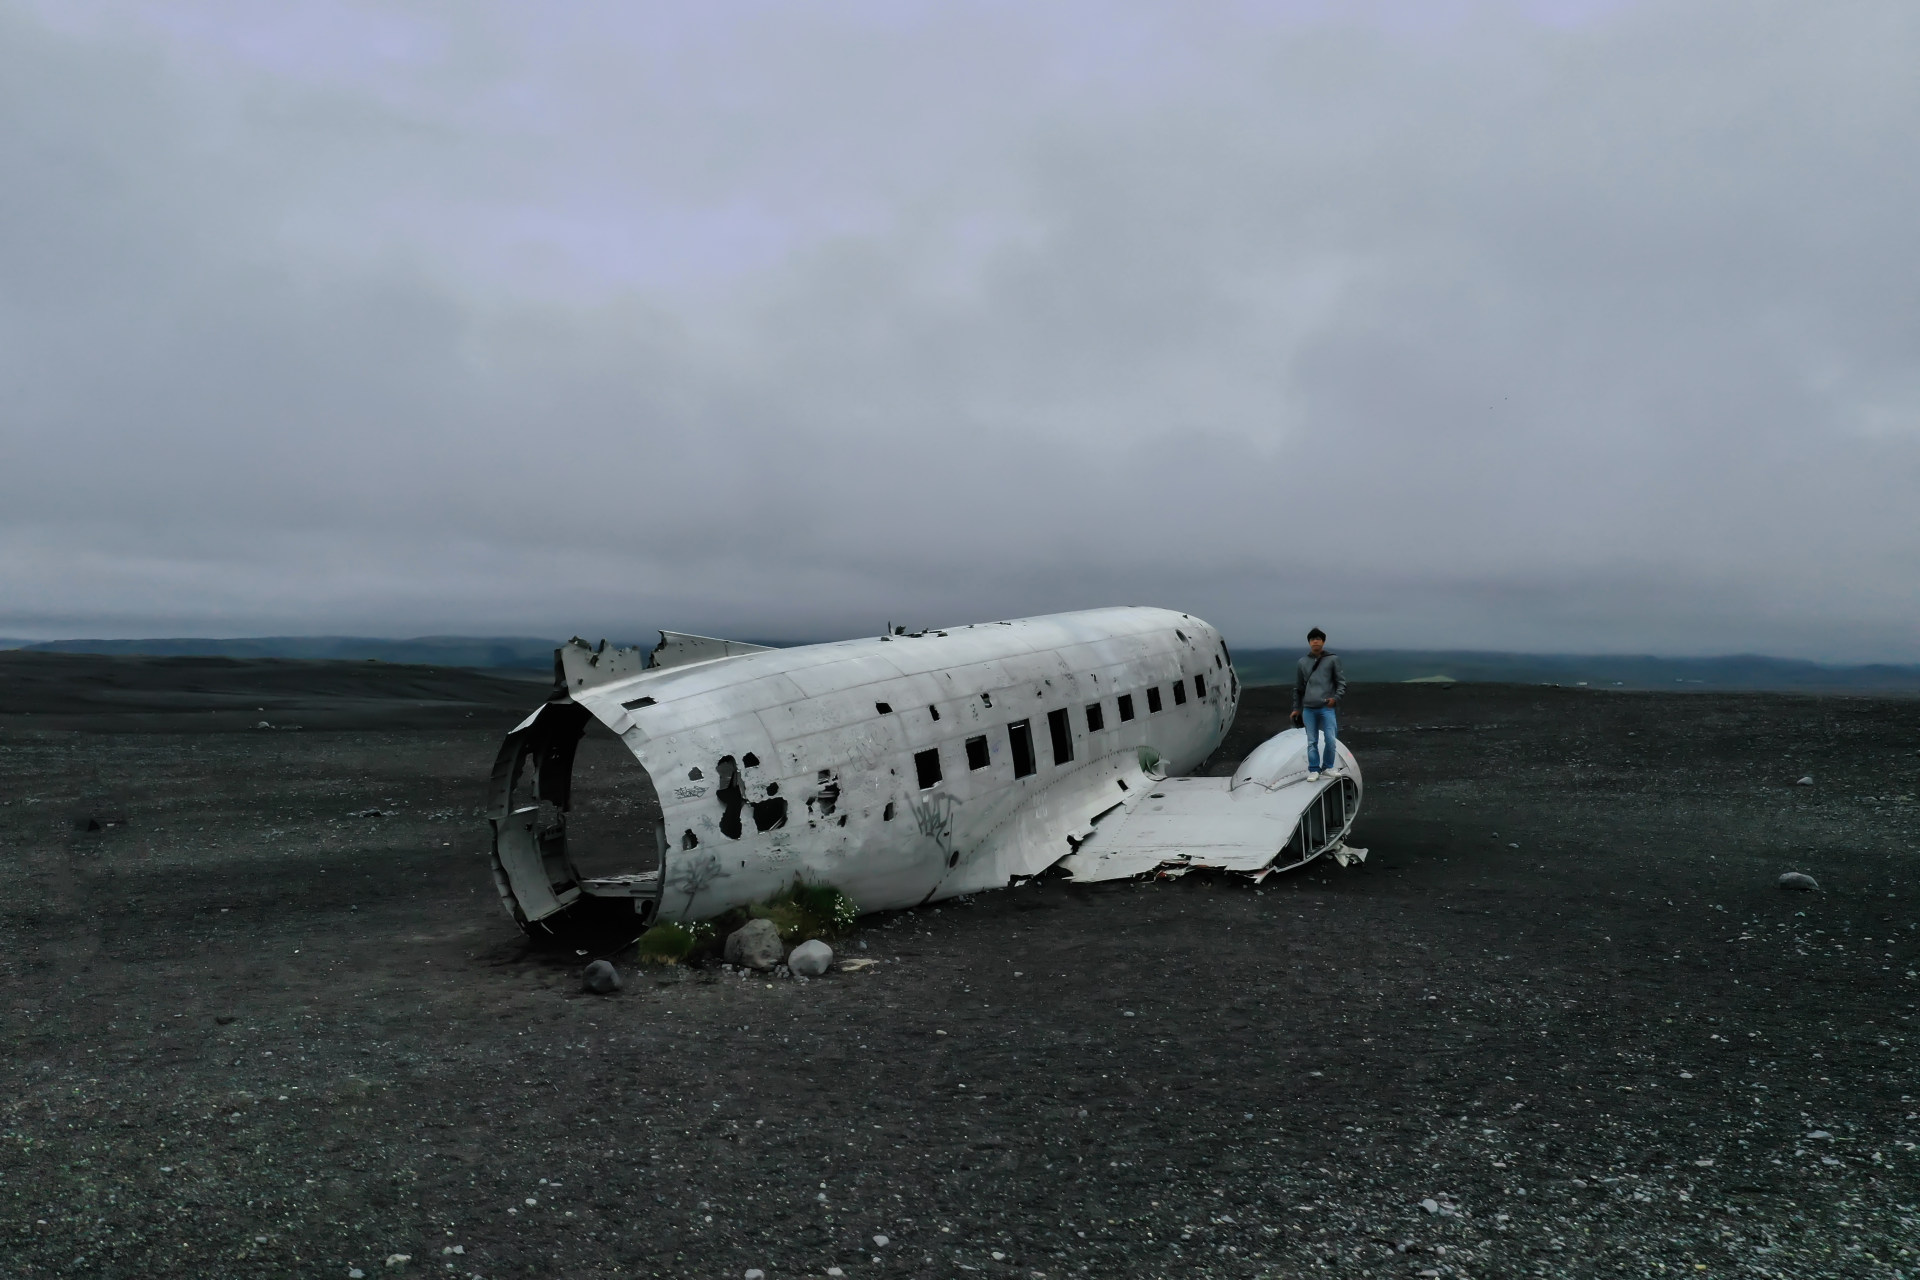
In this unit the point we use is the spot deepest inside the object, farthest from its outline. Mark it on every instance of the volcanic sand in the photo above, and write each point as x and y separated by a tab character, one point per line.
254	1029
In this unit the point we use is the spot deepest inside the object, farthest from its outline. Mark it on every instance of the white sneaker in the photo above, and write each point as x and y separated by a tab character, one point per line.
1312	776
1333	771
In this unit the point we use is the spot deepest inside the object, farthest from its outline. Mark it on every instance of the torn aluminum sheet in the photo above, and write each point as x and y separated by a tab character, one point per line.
907	768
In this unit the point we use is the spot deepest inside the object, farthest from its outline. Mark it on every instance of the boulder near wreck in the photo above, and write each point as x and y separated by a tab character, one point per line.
905	768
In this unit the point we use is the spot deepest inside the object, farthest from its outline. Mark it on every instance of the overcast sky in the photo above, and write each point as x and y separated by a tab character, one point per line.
1576	325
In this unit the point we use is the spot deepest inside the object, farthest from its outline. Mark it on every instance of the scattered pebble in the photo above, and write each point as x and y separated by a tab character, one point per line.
880	1242
1430	1205
755	1273
1805	782
399	1259
1796	880
602	978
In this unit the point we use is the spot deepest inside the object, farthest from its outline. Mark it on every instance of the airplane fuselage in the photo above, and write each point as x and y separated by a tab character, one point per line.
899	769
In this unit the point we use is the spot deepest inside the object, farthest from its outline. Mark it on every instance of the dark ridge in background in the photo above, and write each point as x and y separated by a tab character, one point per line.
1608	671
528	653
1256	666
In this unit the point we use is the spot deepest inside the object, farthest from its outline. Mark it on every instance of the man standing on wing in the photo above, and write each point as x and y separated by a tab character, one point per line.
1318	686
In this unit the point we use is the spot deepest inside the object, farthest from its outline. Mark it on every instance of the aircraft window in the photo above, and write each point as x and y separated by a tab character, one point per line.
1233	684
977	752
986	700
750	761
1179	693
688	840
1020	739
1153	699
927	765
1061	731
933	711
886	814
770	813
1126	706
637	703
1199	686
885	709
1096	718
732	799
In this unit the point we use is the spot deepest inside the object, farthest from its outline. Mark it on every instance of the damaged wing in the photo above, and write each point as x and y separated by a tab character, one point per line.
1269	816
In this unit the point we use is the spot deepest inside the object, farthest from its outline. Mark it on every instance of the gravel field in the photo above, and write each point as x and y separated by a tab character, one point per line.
1561	1022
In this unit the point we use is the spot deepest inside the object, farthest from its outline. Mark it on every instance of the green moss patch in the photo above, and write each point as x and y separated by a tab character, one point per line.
672	943
807	911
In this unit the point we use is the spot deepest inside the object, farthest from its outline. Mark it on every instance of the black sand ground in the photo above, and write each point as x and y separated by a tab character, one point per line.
249	1034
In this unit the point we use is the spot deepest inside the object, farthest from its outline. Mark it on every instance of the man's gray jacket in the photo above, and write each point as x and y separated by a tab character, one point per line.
1317	680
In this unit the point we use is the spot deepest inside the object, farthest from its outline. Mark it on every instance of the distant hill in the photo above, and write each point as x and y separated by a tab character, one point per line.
1256	666
524	653
1608	671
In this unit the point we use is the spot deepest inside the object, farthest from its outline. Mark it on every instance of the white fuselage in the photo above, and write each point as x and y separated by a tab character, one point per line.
909	768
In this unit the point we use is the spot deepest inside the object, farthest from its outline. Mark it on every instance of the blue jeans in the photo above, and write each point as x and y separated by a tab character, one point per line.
1319	720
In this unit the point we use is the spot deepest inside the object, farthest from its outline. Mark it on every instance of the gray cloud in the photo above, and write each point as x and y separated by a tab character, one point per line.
1574	327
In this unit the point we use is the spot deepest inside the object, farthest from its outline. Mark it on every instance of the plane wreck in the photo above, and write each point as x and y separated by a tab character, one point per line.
904	769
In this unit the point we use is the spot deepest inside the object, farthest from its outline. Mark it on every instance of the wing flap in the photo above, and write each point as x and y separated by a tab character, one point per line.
1185	824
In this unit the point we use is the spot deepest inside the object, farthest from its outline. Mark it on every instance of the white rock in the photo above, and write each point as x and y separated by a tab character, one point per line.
1430	1205
399	1259
1805	782
755	1273
810	959
601	978
880	1242
1797	880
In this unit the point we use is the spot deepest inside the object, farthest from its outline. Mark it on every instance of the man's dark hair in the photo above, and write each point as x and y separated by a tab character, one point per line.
1316	634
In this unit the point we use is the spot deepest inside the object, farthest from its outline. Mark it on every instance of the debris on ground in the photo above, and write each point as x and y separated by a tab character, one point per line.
1799	880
